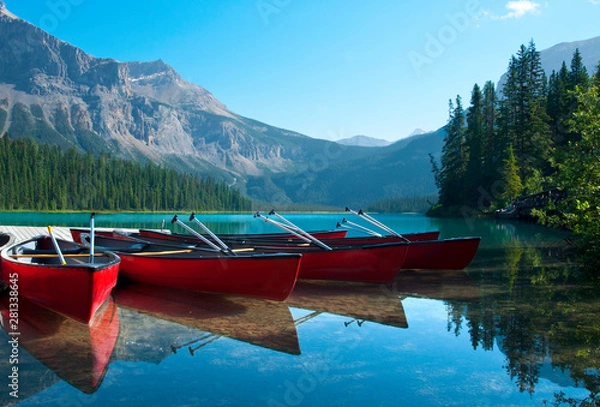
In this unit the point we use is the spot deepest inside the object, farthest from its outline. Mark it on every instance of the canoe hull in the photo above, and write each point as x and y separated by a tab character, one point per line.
76	291
264	276
367	264
178	237
335	237
445	254
320	234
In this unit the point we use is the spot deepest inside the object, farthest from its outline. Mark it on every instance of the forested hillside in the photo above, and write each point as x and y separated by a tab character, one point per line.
538	133
43	177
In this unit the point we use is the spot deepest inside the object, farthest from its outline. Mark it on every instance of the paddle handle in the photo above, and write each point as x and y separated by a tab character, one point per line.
56	246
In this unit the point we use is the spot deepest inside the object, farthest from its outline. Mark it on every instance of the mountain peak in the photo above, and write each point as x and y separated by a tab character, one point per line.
417	132
363	141
4	11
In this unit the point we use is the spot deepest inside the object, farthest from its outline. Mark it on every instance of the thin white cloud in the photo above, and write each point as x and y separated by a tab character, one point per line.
520	8
595	2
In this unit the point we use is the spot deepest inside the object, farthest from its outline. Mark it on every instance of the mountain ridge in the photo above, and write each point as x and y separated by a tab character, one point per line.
137	109
363	141
59	94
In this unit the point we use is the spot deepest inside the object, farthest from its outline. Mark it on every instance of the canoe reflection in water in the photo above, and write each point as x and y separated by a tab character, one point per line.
382	303
436	284
360	301
78	353
263	323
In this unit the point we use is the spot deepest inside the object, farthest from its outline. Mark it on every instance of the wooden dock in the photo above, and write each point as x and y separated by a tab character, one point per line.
27	232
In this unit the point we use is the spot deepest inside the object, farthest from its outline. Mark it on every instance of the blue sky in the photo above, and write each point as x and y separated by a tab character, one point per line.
328	69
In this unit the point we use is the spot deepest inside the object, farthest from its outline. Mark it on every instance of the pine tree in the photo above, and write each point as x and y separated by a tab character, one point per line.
50	178
579	174
512	181
524	121
493	148
474	142
454	158
578	75
558	105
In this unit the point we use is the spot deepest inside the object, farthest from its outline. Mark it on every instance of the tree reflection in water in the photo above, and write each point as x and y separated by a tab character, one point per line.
540	310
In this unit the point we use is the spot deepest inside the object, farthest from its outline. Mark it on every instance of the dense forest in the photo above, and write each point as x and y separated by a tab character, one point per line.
42	177
537	133
418	204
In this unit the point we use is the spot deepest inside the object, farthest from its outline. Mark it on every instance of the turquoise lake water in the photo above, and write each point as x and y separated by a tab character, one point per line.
517	327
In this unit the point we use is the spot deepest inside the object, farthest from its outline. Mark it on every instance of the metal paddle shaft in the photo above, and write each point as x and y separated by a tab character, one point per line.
193	232
304	233
360	228
210	233
375	222
92	237
282	226
381	225
56	246
287	222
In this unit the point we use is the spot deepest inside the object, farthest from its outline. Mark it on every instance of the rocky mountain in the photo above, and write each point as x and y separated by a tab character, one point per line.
402	169
363	141
553	57
58	93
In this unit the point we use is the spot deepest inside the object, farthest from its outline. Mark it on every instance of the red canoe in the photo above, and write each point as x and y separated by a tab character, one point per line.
375	263
6	239
425	251
319	234
177	237
75	289
336	237
445	254
366	263
77	353
267	276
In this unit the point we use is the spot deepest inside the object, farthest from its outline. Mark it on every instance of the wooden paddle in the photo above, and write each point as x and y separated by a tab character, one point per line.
51	255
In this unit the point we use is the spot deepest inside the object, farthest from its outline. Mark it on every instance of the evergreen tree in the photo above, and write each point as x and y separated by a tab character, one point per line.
578	75
512	181
579	173
559	105
474	142
492	145
454	158
52	179
524	121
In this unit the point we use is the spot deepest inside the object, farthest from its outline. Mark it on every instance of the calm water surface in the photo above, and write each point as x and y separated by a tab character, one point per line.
518	327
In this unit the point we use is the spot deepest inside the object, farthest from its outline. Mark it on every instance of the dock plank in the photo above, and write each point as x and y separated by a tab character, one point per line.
22	233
